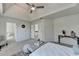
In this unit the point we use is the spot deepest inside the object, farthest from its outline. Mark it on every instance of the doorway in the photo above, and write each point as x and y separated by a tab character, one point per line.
10	31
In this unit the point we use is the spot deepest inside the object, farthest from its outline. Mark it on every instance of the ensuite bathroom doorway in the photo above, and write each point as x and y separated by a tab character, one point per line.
10	30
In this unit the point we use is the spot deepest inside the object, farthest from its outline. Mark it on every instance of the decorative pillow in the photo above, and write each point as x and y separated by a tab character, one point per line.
29	48
38	43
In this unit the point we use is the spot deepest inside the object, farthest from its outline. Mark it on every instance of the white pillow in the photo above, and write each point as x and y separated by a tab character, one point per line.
25	48
28	48
38	43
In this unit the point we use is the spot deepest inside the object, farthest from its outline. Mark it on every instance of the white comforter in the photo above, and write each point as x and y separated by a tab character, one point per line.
51	49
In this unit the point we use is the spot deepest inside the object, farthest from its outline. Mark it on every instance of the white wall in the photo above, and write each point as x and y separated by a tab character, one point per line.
45	29
67	23
50	29
18	22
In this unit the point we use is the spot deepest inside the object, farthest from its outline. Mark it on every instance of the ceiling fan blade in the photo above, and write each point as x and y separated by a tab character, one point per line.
32	5
29	4
39	6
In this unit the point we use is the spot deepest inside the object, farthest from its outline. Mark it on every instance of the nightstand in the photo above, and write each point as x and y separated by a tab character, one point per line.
3	44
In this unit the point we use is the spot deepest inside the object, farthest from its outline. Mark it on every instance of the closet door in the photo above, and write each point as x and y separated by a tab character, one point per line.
20	33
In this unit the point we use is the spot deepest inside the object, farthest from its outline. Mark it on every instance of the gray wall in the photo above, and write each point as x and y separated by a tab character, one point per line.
46	29
67	23
49	29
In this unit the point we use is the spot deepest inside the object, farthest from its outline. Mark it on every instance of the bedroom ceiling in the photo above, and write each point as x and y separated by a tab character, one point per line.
21	10
67	12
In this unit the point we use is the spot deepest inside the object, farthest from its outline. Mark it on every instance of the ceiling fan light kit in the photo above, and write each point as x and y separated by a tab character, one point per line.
33	7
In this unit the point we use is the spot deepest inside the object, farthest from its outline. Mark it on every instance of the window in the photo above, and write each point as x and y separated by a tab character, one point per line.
34	30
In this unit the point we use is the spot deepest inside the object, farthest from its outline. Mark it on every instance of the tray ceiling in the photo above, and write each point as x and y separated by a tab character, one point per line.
21	10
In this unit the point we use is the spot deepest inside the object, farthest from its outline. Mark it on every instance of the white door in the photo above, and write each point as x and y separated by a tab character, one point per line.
21	34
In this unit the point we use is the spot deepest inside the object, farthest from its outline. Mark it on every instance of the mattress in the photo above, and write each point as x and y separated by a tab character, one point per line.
52	49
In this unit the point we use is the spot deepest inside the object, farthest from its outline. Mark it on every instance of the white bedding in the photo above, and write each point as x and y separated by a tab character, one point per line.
51	49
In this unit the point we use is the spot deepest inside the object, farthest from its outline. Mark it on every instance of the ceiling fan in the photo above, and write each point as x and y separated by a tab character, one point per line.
33	7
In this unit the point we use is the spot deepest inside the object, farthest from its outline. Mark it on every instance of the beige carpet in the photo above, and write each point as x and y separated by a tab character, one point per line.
14	47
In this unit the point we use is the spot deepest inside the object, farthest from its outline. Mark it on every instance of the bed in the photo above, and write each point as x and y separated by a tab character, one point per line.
52	49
